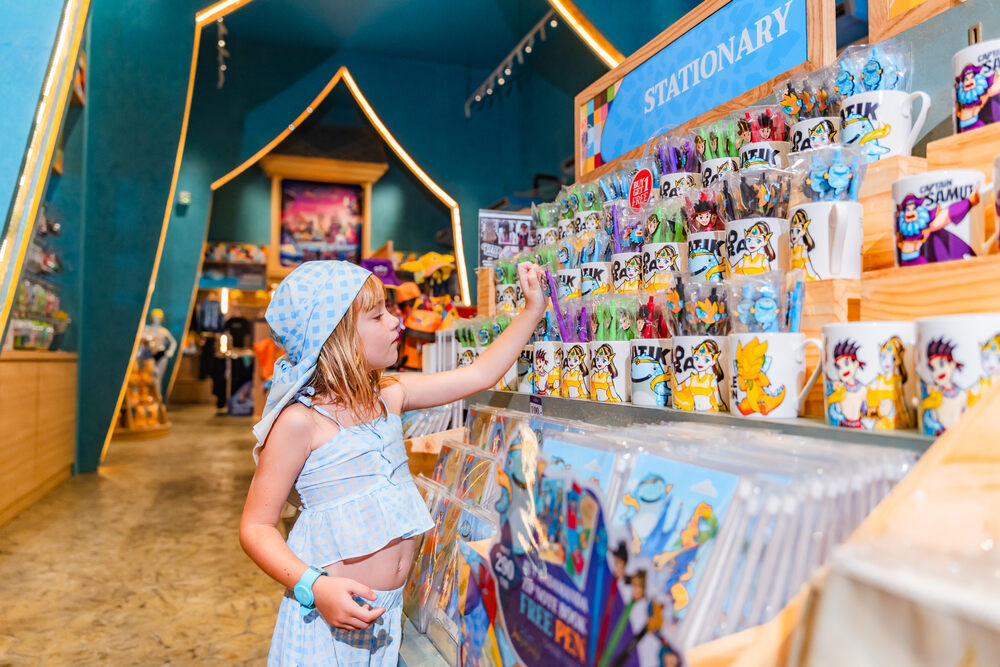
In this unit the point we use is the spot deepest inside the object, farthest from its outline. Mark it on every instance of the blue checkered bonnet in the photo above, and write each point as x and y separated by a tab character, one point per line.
305	309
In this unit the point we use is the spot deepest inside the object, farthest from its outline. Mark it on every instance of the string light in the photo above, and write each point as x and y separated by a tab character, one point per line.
505	70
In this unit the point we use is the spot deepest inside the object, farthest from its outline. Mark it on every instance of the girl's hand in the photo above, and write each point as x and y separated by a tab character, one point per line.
335	602
531	277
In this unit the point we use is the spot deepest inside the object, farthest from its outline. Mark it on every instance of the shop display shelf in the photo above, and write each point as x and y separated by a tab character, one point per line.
969	150
486	292
626	414
944	288
879	244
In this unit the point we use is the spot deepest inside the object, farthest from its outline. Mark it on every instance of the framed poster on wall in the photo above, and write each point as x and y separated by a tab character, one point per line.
503	234
320	210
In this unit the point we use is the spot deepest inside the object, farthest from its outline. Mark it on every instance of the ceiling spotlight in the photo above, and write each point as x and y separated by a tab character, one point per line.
527	49
553	23
479	98
507	71
501	81
222	42
222	67
489	91
218	20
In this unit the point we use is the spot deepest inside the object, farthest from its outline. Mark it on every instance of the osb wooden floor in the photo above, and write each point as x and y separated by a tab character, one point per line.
140	564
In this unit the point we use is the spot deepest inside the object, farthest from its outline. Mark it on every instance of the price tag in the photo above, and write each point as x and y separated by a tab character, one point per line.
535	405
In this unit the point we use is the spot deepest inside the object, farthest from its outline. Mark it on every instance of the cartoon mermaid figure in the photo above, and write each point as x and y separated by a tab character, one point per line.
886	401
574	377
857	129
943	400
847	398
602	377
759	254
701	390
921	230
802	244
976	102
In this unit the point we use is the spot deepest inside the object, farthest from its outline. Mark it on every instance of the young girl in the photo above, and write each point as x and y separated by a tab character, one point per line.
331	428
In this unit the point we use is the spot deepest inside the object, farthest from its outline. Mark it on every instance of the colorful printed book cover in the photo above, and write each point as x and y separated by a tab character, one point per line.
664	530
493	443
451	461
477	423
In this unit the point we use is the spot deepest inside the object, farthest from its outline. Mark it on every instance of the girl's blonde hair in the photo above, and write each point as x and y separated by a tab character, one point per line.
342	374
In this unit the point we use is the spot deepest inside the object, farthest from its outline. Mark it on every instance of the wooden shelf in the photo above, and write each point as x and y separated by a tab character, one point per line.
37	355
879	245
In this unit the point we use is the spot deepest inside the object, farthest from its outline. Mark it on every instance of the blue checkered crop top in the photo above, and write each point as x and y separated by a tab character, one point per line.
357	493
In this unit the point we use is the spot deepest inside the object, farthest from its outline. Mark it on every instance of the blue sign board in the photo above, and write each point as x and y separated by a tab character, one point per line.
742	45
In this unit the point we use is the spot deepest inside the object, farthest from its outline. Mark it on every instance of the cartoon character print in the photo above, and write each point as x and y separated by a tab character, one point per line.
758	253
847	395
751	365
524	370
658	266
802	244
574	377
703	261
886	401
466	357
701	527
507	300
989	354
594	281
942	400
517	480
857	129
648	370
631	274
545	364
701	390
602	376
976	98
921	230
548	235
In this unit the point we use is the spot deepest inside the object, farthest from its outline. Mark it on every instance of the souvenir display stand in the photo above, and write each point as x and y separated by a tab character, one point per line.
143	414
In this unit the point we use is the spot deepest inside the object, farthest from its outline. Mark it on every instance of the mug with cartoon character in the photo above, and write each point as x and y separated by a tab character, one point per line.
958	358
547	360
714	169
865	368
595	278
768	371
609	376
826	238
756	245
977	85
706	259
466	355
675	185
626	271
650	370
700	377
761	154
525	370
881	122
938	217
507	298
568	283
815	132
658	260
575	381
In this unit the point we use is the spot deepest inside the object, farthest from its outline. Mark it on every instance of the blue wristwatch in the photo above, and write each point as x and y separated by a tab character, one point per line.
304	589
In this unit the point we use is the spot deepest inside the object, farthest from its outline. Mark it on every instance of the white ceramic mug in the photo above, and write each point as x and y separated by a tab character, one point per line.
547	235
976	86
626	271
763	154
567	227
595	278
507	298
958	357
866	366
466	355
825	239
756	245
768	371
650	370
714	169
815	132
547	362
938	217
881	122
525	364
658	260
706	256
675	185
575	376
700	377
568	282
609	371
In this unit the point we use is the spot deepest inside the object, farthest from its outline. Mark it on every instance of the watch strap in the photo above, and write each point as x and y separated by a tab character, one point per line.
305	583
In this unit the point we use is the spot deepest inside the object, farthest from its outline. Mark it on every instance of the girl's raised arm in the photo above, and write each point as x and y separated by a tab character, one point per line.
425	391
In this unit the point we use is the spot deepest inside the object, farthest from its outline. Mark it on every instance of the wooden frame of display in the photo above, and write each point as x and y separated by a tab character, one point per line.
320	170
883	26
821	45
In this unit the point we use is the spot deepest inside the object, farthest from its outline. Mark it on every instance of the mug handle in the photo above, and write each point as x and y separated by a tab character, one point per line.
839	238
801	401
985	250
918	125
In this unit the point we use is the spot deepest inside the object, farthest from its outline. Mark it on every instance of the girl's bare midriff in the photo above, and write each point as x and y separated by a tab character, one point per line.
384	570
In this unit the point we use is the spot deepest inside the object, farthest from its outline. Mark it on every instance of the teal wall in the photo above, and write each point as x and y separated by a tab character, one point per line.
629	26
